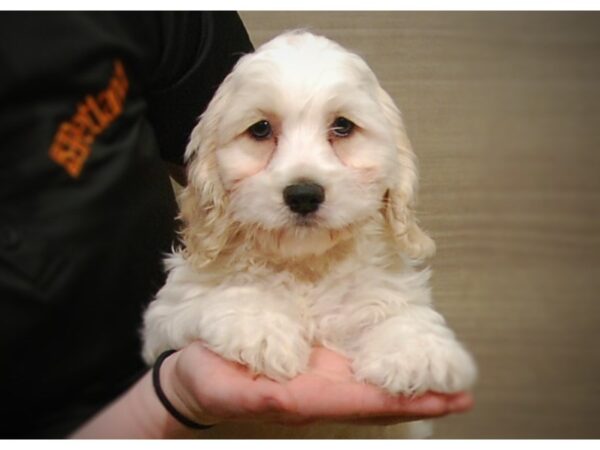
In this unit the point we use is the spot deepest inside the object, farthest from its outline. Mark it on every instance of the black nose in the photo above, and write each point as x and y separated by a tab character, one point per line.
304	198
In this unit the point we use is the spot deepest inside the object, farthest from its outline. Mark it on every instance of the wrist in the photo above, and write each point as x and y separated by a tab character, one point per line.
153	419
179	396
140	414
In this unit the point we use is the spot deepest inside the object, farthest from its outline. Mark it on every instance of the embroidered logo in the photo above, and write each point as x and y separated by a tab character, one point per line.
72	142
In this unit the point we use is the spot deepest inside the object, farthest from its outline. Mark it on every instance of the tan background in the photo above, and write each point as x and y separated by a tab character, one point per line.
504	113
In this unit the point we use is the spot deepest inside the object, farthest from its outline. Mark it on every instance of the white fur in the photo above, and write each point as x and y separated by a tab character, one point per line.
260	286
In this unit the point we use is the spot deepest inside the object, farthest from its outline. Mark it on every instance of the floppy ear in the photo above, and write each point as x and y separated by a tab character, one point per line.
203	202
399	200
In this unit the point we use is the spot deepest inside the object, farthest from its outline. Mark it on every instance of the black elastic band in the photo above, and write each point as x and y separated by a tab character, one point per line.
163	398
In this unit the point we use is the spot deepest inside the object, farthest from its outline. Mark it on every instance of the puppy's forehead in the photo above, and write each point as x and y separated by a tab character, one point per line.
301	60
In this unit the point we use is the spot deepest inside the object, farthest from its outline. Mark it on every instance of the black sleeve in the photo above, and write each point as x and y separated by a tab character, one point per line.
198	50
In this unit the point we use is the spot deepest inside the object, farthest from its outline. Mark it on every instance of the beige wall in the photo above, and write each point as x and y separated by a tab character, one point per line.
504	113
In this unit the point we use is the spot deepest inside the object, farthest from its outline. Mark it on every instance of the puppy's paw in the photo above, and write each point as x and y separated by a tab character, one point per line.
416	365
269	343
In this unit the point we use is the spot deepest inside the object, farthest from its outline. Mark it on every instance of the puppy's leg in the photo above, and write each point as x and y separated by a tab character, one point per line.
413	352
243	324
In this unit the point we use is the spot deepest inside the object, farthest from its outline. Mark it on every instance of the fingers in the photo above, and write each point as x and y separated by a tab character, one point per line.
430	405
332	366
352	400
461	402
398	410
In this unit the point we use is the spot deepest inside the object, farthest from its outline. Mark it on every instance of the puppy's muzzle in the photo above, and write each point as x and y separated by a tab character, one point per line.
304	198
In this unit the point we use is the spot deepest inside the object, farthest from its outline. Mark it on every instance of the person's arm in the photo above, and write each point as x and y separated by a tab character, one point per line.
207	389
198	50
136	414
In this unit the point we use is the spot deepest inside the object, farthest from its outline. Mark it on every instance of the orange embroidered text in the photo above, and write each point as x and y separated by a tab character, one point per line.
73	141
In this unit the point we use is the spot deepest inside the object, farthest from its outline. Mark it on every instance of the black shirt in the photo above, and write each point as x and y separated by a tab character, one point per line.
89	105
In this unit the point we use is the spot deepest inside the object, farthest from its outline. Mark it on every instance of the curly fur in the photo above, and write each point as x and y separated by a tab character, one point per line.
259	286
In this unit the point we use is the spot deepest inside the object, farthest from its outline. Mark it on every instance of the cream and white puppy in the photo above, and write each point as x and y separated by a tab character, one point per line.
299	228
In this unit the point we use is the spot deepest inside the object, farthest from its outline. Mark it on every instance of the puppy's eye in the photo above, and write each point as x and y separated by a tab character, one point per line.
342	127
260	130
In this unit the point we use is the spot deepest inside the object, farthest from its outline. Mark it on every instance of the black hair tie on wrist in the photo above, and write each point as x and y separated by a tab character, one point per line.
163	398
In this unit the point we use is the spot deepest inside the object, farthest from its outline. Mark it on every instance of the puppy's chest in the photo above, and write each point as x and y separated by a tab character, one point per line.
332	296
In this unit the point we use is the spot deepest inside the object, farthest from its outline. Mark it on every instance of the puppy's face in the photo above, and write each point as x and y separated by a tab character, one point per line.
305	145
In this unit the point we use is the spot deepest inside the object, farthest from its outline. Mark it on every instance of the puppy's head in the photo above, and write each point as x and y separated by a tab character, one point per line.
299	146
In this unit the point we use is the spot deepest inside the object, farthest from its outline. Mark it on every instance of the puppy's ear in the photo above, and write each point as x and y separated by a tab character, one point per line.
203	202
399	200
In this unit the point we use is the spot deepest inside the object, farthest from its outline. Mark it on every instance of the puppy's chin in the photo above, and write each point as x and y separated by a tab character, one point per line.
301	241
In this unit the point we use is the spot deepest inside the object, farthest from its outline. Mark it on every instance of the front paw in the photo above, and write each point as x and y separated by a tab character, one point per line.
269	343
416	365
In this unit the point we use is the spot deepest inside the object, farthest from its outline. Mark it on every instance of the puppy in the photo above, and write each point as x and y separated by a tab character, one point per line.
299	229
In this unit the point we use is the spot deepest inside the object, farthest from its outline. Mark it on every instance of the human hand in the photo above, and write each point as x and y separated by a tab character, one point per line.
209	389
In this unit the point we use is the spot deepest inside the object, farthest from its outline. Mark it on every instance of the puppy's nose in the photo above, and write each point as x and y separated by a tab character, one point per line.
304	198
